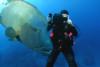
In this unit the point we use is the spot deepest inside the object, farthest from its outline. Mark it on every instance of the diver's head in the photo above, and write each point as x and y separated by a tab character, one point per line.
64	14
50	15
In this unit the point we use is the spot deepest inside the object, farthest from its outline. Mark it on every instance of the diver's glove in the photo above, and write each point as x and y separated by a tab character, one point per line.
66	34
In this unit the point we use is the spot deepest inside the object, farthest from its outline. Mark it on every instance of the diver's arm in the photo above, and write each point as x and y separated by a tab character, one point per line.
74	31
50	23
72	28
69	21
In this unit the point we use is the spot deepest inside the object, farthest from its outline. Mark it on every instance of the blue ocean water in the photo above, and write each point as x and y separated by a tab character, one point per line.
84	14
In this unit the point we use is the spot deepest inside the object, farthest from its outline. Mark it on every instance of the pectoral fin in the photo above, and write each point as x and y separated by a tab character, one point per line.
18	38
10	32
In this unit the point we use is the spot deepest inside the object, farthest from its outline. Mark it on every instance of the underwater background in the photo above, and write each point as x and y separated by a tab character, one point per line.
84	14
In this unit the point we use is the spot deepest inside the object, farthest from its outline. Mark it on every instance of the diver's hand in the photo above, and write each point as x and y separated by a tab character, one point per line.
70	34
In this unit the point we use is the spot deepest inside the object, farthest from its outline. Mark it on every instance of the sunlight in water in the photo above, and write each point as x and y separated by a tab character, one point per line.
3	2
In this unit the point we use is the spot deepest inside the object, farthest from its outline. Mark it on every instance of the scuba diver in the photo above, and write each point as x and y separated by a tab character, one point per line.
62	35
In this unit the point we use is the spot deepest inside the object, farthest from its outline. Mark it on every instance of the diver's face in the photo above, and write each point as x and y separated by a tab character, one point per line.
65	15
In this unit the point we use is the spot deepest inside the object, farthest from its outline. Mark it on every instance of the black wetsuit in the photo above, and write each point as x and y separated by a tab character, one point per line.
61	42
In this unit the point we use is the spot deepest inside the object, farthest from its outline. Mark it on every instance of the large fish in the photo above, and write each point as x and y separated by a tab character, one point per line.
25	23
